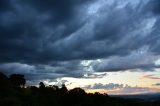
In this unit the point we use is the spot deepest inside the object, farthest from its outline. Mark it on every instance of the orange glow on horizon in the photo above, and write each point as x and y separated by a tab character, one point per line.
121	91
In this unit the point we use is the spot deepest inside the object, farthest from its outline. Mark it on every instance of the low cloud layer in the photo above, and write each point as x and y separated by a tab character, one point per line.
113	88
150	77
109	86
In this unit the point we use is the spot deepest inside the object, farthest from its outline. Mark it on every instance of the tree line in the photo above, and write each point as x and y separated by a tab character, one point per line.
13	92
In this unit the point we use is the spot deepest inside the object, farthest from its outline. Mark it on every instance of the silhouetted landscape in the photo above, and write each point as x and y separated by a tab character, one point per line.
13	92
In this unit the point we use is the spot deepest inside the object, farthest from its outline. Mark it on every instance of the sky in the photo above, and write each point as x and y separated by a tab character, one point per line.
109	46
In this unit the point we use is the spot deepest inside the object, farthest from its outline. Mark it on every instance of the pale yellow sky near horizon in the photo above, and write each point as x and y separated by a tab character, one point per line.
130	78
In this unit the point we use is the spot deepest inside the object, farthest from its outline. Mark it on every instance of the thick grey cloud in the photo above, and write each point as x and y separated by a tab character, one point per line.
42	72
30	37
154	6
37	37
136	60
50	39
29	71
5	5
113	88
60	10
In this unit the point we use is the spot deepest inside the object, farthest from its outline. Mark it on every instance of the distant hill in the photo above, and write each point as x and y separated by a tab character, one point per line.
147	97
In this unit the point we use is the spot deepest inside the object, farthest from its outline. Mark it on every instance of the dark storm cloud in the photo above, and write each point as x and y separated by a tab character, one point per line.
154	6
44	72
136	60
5	5
29	71
30	36
49	38
60	10
38	37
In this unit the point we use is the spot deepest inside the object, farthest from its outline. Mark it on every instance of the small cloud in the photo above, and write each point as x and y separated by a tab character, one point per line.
150	76
157	62
95	75
157	84
109	86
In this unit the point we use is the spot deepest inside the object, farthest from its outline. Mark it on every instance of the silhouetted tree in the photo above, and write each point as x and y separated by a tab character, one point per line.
77	91
41	85
64	89
17	80
3	79
4	85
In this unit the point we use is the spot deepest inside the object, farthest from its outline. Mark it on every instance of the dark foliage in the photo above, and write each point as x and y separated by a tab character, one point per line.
14	93
17	80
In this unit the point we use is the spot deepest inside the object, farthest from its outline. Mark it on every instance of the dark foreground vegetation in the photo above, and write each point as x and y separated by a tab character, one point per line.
14	93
